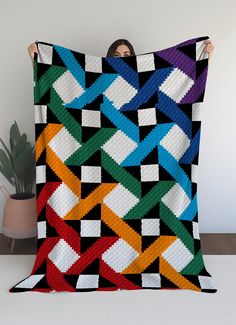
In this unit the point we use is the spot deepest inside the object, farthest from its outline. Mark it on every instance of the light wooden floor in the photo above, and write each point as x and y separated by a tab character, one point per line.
212	244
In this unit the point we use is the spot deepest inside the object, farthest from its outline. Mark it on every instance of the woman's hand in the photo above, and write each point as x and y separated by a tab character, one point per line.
31	49
209	48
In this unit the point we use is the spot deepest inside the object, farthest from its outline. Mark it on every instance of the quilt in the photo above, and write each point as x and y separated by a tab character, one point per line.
117	153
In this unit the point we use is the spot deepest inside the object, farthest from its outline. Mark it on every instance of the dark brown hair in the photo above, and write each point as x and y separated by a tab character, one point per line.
112	49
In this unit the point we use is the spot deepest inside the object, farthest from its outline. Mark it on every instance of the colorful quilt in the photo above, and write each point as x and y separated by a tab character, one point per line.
117	151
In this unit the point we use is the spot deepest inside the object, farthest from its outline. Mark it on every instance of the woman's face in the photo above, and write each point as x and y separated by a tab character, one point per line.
122	50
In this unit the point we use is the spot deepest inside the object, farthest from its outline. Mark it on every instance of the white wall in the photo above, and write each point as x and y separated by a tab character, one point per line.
90	27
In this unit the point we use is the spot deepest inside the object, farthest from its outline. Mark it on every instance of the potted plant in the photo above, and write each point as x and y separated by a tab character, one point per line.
17	164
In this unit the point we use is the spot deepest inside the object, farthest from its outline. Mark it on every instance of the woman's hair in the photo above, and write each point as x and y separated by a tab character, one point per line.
112	49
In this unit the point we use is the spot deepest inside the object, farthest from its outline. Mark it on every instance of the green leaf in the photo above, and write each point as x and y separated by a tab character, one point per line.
6	167
6	176
24	138
15	139
7	150
23	164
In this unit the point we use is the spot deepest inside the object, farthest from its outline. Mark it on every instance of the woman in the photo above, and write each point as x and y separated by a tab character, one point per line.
121	47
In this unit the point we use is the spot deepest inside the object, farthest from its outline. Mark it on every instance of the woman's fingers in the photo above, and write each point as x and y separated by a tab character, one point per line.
32	48
208	46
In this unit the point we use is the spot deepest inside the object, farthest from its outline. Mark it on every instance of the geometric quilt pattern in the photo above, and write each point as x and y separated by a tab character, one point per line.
117	151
